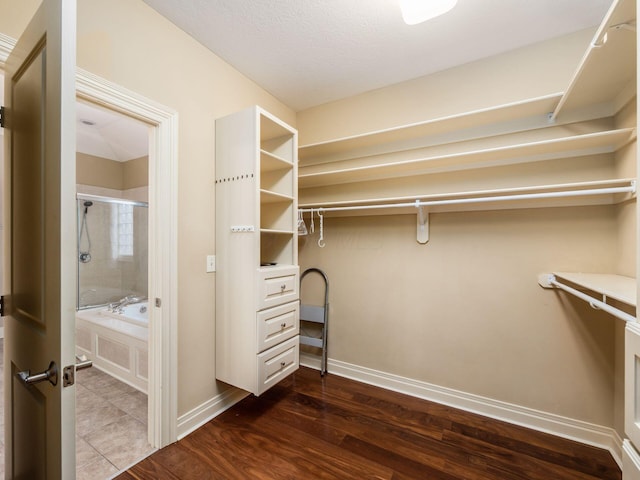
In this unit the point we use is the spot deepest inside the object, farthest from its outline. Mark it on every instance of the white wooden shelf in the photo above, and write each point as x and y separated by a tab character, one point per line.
268	196
270	162
618	287
577	145
271	127
607	286
536	107
606	77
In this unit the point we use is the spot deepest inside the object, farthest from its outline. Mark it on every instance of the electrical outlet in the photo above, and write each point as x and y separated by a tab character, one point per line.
211	263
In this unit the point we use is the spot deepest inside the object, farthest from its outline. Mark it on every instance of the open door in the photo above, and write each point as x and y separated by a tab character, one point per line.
40	242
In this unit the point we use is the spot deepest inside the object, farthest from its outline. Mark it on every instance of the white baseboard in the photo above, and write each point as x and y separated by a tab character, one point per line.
583	432
210	409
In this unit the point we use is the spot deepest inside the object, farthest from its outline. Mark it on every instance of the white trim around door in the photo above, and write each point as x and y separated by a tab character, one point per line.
163	224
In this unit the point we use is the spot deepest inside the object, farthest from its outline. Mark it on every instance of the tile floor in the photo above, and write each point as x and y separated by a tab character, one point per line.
111	424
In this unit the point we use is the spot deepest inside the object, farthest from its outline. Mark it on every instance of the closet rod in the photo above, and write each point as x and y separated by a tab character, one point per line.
499	198
594	303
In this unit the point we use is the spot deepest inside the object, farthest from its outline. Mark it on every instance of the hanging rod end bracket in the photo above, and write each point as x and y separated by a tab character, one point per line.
545	280
422	224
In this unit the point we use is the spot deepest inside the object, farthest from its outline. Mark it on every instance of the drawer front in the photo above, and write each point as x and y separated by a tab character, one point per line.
277	363
277	324
277	287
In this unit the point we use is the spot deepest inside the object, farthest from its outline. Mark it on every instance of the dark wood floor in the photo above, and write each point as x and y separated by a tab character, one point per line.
333	428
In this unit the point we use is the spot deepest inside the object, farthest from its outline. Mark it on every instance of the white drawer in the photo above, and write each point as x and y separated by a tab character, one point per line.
277	324
277	362
277	285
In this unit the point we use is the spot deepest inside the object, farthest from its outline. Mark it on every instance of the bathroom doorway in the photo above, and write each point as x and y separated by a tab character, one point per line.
113	318
163	244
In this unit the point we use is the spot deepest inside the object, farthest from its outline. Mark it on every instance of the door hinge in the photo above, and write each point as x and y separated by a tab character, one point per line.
2	117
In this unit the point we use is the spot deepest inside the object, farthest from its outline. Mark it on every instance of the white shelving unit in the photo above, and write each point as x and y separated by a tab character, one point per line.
257	274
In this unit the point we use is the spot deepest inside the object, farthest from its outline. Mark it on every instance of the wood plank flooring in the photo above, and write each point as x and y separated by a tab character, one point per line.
309	427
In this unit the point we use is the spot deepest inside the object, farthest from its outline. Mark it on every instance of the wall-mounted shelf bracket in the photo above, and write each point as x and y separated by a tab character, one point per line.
614	287
422	224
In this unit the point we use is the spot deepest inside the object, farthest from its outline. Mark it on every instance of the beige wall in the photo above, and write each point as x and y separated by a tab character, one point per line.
102	172
135	173
98	171
465	311
126	42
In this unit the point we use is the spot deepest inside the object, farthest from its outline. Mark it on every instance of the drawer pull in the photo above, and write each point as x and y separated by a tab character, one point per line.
283	364
282	287
283	325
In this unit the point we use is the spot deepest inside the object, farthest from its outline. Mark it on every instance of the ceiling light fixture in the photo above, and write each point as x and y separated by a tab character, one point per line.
418	11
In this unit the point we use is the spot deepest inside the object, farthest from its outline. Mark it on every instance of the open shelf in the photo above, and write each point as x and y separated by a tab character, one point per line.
614	294
276	140
577	145
605	77
267	196
270	162
276	246
617	287
536	107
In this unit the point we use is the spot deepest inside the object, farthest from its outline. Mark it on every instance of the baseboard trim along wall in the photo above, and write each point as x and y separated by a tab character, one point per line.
584	432
210	409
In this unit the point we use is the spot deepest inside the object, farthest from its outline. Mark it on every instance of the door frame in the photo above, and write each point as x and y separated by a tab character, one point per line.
163	223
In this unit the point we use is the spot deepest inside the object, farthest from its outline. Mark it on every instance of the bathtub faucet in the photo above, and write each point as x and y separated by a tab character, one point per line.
118	307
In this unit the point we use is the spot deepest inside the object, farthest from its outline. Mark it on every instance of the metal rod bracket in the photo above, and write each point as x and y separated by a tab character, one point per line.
422	226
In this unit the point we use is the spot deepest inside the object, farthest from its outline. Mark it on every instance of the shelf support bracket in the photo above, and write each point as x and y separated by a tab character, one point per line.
422	224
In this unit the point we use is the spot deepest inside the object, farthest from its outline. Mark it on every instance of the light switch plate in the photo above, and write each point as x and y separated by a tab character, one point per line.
211	263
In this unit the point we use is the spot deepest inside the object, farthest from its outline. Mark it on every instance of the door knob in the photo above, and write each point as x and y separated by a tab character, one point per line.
50	374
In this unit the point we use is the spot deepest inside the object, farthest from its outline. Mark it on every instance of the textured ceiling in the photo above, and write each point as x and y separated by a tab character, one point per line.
309	52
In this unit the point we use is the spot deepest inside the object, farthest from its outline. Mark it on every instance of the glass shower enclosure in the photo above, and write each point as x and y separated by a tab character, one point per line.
112	249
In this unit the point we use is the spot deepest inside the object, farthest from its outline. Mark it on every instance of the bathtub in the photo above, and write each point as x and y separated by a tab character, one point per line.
116	342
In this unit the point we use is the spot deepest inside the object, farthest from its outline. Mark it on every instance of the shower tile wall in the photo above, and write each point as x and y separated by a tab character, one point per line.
109	276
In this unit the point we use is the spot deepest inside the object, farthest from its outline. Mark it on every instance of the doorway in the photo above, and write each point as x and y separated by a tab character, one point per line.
162	254
113	318
162	410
